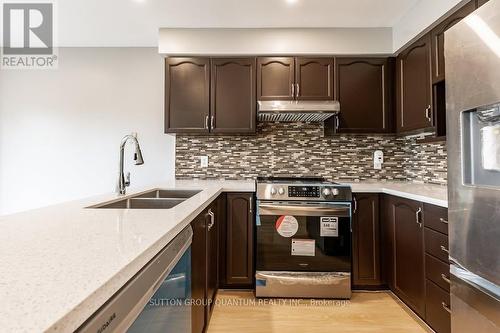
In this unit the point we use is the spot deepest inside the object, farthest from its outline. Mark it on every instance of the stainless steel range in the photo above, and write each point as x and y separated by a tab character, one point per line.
303	238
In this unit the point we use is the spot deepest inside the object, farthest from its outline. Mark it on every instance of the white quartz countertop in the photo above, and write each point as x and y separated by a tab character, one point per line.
59	264
431	194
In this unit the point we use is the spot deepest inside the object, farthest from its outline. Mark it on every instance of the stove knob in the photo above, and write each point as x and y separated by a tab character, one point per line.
273	191
335	192
281	191
326	192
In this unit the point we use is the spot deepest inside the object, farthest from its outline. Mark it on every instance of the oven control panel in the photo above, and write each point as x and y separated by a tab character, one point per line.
304	191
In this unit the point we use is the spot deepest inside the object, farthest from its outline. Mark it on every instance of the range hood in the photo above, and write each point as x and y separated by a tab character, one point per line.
293	111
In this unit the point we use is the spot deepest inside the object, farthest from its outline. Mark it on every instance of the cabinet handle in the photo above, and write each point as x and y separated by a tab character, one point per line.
298	90
212	219
206	122
212	122
417	217
443	220
355	205
445	278
445	249
337	123
446	307
251	205
293	90
428	113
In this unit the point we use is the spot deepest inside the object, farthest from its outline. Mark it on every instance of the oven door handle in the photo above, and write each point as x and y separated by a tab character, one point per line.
341	210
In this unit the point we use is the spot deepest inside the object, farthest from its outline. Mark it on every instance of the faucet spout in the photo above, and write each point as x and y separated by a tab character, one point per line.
139	160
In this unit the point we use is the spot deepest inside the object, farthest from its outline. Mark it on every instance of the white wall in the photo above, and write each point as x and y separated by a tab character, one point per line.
271	41
423	15
60	130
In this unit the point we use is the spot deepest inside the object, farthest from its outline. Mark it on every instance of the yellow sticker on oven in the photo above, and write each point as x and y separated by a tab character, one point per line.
287	225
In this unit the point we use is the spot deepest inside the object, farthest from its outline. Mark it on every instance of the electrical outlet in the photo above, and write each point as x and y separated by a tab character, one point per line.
204	161
378	159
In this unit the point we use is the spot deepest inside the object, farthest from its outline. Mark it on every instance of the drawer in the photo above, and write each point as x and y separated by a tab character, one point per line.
436	244
435	269
436	218
435	313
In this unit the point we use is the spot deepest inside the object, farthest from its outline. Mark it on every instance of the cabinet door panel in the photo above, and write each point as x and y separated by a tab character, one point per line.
240	240
314	78
366	244
199	273
233	103
187	97
409	278
387	239
275	77
437	35
363	89
436	315
414	87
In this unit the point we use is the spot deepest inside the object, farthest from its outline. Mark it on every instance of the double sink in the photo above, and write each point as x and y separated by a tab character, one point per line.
155	199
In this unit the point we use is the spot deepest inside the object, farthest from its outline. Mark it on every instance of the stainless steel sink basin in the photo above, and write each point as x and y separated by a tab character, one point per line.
184	194
142	203
155	199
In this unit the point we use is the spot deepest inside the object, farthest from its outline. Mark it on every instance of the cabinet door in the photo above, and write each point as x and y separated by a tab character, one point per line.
366	244
212	256
187	95
387	241
437	42
414	87
409	277
240	240
364	88
314	78
199	272
275	79
233	103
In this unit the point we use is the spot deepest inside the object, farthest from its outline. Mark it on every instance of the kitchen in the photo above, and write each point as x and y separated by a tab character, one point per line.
330	167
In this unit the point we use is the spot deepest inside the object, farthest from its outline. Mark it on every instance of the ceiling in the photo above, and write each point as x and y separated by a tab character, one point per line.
136	22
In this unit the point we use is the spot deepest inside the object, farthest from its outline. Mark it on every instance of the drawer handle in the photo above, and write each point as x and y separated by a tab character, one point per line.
446	307
445	278
443	220
445	249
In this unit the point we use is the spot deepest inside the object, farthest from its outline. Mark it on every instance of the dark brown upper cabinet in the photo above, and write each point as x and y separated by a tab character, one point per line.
414	87
275	79
409	277
437	36
233	101
187	95
314	78
364	90
366	241
287	78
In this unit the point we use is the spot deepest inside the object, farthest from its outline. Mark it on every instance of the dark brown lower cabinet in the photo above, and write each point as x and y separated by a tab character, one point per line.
199	272
366	241
409	273
437	307
237	248
204	266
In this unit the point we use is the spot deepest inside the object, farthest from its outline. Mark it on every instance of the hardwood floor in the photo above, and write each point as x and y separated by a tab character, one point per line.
240	312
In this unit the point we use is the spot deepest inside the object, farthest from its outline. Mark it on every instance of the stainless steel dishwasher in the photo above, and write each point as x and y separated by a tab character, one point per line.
156	299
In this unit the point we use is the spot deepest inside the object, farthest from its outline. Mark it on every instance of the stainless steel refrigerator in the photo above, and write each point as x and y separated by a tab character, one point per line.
472	53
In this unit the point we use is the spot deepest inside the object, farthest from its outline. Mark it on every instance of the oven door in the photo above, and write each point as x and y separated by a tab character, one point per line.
303	236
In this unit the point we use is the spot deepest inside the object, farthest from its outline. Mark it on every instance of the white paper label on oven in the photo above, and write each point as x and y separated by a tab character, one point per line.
329	227
303	247
287	226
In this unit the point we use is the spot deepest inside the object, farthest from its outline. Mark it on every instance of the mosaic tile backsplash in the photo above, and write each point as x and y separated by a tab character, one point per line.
301	149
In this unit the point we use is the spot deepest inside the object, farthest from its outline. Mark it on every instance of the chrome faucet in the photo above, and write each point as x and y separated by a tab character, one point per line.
124	182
